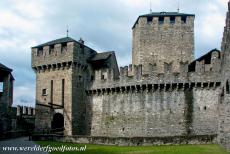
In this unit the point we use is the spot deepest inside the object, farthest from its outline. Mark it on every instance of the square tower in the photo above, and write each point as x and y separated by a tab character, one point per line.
62	74
163	39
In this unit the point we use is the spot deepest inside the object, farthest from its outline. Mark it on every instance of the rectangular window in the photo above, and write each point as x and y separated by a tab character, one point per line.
44	92
1	86
51	91
63	92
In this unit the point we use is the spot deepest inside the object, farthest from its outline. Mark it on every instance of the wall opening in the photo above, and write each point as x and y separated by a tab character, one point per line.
205	107
44	92
58	121
227	87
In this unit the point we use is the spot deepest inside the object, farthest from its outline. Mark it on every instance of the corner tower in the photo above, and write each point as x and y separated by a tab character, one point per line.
163	39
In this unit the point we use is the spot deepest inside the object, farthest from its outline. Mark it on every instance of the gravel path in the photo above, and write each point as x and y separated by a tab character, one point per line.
20	146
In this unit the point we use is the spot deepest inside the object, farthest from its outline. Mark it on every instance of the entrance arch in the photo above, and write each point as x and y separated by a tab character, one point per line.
58	121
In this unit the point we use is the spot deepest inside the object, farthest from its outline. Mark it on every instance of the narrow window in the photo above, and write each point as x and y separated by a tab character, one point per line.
227	87
161	20
51	92
44	92
63	92
103	77
1	87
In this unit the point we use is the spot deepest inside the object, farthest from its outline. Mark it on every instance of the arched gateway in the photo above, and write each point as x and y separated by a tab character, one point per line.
58	121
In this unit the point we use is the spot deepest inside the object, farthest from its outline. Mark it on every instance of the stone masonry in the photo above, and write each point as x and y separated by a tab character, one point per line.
163	39
224	106
165	92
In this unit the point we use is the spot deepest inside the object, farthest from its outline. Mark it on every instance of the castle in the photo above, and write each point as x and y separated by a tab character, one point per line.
164	93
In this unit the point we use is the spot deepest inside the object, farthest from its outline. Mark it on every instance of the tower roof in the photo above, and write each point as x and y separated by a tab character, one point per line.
102	56
57	41
4	69
163	14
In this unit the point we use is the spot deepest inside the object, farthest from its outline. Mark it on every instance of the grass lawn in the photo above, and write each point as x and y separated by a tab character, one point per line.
100	149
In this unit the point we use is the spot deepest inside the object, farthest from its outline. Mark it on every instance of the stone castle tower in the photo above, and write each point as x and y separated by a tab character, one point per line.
60	74
64	69
164	40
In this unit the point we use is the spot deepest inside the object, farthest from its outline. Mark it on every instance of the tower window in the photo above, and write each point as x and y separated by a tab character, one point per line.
63	47
44	92
172	20
161	20
183	19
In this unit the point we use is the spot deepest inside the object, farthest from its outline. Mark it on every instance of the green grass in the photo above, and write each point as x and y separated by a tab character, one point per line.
101	149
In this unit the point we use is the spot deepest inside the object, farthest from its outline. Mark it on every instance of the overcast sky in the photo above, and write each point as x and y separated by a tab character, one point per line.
103	24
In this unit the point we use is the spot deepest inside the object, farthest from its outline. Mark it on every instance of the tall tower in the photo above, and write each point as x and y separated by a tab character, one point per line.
163	39
62	74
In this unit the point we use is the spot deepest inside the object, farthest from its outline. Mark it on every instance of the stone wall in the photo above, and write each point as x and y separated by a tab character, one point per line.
154	110
224	106
48	101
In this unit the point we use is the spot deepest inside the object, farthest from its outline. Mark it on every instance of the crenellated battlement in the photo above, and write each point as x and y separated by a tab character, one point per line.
210	62
164	20
163	38
24	110
204	70
61	53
